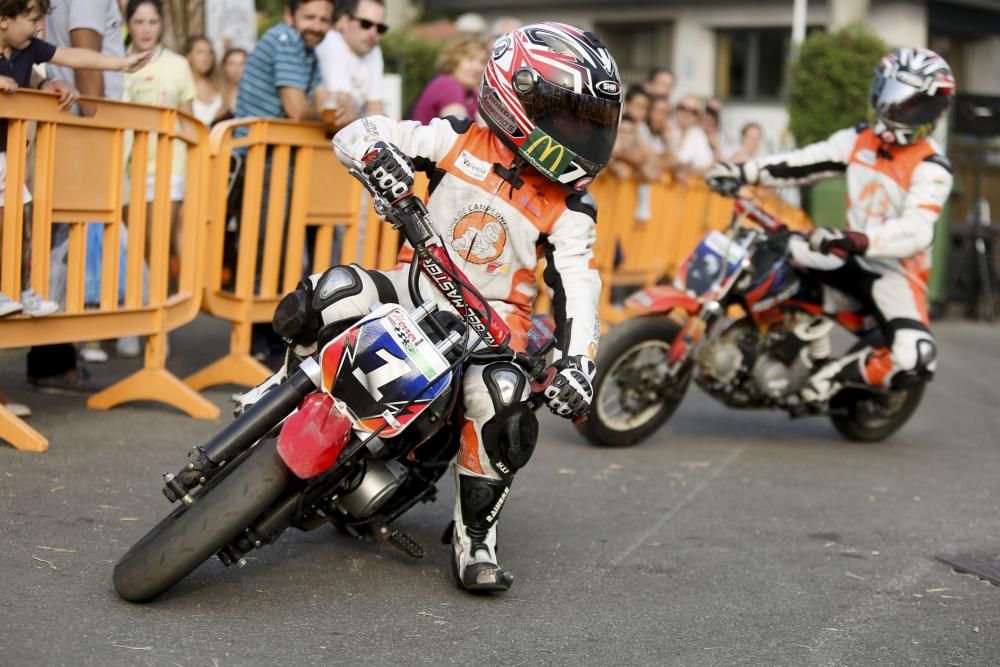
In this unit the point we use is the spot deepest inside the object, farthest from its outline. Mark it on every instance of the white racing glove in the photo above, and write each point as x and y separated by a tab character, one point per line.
570	392
721	173
388	170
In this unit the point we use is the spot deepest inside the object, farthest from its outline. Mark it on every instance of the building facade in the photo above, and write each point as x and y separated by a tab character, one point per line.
739	52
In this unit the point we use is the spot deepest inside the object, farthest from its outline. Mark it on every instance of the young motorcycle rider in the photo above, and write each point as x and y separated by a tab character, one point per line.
500	196
897	182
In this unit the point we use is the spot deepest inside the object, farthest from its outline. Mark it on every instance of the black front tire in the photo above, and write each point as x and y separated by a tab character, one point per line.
867	418
622	341
193	534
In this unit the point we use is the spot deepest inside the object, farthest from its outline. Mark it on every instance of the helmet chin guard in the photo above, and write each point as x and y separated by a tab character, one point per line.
552	94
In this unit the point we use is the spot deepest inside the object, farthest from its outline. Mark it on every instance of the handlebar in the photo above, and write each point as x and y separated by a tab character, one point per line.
744	206
409	215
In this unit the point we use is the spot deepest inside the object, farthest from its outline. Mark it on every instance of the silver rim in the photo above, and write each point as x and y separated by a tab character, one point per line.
626	406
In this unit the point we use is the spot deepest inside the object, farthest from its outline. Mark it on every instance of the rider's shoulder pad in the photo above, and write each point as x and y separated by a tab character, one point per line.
940	160
582	202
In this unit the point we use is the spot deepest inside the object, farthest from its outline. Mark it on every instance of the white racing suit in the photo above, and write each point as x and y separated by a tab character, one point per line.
495	229
895	195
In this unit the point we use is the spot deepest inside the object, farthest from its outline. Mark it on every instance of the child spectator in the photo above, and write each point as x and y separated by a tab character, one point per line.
233	62
751	136
453	92
207	105
20	50
657	133
637	103
165	81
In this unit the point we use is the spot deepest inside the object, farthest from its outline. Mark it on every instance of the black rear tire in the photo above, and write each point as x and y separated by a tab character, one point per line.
192	534
623	341
871	419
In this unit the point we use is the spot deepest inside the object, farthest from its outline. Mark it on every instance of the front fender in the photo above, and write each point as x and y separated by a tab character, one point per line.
661	299
311	439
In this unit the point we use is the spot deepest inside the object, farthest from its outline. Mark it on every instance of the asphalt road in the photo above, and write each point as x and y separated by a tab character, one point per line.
733	538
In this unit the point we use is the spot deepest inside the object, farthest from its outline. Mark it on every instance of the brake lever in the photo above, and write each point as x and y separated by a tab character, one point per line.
380	203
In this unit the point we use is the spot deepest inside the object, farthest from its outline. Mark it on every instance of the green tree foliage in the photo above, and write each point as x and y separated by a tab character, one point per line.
830	81
413	59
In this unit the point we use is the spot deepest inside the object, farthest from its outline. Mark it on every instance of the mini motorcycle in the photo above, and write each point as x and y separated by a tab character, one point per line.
748	327
354	437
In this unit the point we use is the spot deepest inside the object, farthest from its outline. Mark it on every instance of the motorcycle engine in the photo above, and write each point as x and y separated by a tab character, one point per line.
747	367
380	481
789	359
721	359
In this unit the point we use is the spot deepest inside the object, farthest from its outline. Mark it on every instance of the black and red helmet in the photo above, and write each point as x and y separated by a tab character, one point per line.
552	94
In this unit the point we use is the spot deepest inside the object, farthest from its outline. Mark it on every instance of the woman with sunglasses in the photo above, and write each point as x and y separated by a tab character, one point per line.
351	61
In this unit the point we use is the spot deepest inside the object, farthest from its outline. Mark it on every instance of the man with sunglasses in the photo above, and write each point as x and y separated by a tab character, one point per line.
351	60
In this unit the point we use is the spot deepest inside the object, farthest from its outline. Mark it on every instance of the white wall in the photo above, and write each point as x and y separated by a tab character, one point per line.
900	22
982	62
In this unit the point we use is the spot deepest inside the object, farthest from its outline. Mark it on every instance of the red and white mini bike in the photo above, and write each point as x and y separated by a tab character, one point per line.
760	359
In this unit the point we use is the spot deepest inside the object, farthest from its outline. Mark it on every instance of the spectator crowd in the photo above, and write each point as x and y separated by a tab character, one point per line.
322	62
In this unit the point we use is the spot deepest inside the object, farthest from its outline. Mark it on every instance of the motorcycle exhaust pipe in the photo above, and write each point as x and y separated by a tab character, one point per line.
264	415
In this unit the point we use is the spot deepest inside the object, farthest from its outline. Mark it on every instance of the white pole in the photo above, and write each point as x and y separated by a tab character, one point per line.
799	22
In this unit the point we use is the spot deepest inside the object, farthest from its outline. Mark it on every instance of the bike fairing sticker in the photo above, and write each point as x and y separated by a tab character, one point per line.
372	366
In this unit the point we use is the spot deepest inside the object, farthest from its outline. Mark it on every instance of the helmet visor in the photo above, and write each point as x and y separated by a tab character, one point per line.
583	124
901	104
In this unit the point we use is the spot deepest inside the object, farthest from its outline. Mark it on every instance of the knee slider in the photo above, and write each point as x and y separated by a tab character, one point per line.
294	319
509	438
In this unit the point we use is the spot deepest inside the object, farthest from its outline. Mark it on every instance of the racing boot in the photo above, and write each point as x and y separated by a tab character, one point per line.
478	501
831	376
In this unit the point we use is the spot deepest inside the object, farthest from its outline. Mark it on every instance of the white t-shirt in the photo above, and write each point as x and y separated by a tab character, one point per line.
694	150
345	72
103	17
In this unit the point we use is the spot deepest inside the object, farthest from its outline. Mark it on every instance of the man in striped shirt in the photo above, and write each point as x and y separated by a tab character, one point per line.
282	73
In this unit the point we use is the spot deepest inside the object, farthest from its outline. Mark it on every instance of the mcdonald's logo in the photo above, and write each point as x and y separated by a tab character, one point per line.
546	154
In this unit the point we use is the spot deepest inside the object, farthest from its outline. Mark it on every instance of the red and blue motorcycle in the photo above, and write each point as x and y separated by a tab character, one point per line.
354	437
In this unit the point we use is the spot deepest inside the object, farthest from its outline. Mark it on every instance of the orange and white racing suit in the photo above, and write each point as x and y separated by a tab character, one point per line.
496	223
895	195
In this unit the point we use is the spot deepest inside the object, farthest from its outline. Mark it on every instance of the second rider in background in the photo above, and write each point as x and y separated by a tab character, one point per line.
897	183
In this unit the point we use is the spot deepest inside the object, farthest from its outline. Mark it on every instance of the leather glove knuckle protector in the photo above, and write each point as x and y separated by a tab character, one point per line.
570	393
838	242
388	170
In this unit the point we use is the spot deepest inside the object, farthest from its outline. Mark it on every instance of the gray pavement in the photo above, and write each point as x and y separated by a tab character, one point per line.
733	538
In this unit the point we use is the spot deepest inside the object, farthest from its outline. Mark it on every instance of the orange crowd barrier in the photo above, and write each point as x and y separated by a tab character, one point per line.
311	198
638	253
294	194
78	178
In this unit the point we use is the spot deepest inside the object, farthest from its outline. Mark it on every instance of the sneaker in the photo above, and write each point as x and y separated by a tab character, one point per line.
93	354
129	347
17	409
36	306
8	306
71	383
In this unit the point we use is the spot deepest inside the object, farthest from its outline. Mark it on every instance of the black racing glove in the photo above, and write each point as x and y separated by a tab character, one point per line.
389	171
838	242
570	392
